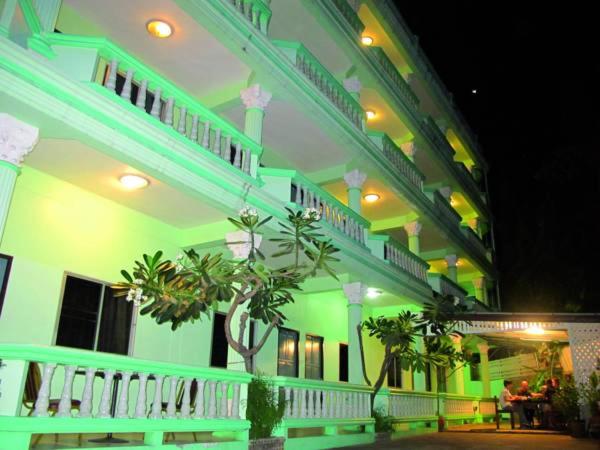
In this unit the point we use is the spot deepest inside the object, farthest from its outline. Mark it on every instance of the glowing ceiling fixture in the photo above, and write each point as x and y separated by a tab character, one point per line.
133	182
159	28
535	330
373	292
371	198
370	114
366	40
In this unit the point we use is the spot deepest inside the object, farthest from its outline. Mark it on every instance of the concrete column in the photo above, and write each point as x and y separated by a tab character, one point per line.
17	139
353	86
47	11
446	192
355	293
419	377
479	284
355	180
410	150
484	369
456	382
413	229
452	263
256	99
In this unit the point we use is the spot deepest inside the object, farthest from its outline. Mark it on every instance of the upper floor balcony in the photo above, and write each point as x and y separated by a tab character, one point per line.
445	286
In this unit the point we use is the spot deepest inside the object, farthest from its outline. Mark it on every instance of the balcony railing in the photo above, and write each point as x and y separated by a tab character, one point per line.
210	399
405	406
310	66
399	82
257	12
474	239
350	15
398	159
398	255
433	132
305	194
445	286
444	206
132	81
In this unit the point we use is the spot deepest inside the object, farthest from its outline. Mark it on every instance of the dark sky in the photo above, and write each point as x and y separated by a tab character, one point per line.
536	67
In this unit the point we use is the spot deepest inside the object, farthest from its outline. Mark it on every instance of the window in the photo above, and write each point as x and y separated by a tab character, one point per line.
344	362
92	318
395	373
5	263
474	366
428	377
219	348
287	354
441	379
313	364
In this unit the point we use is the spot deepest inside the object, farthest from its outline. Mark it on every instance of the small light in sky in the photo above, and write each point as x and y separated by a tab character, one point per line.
473	91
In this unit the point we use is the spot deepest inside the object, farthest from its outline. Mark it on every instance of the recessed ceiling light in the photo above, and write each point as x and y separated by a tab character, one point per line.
133	182
159	28
373	292
370	114
371	198
366	40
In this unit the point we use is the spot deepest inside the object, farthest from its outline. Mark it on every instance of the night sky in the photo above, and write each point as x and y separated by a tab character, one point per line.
536	68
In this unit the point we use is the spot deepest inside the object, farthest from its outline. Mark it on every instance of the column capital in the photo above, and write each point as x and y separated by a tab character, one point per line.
355	292
483	347
355	179
446	192
353	85
239	243
255	97
451	260
413	228
410	149
17	139
479	283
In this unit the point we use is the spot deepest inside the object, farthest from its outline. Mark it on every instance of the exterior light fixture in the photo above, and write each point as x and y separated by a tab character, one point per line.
535	330
371	198
366	40
133	182
159	28
373	292
370	114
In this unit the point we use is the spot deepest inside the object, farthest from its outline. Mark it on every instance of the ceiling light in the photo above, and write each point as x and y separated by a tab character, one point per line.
159	29
536	330
366	40
373	293
370	114
133	182
371	198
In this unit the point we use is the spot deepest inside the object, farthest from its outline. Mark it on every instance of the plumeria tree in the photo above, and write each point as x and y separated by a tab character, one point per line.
184	290
434	325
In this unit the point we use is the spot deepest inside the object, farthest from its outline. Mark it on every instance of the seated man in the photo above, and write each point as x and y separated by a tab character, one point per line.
528	409
512	403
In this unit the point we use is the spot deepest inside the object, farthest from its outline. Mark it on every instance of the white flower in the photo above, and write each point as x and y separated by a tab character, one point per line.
179	257
456	301
246	211
312	214
138	281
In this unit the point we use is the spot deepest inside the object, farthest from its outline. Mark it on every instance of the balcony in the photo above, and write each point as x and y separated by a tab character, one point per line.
435	135
475	241
257	12
324	81
397	255
92	379
121	77
445	286
350	15
396	157
293	188
444	208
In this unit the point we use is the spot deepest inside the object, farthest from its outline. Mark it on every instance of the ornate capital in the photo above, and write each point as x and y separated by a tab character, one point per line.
355	179
410	149
239	243
446	192
255	97
483	347
353	85
479	283
355	292
451	260
413	228
17	139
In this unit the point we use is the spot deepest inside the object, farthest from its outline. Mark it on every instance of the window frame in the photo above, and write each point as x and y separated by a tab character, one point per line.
321	341
296	352
5	278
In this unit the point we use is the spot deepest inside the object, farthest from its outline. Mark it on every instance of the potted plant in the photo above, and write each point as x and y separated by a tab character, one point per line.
590	393
384	425
265	413
567	403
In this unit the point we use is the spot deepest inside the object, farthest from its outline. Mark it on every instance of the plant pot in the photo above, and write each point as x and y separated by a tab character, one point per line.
383	436
441	423
577	428
594	427
272	443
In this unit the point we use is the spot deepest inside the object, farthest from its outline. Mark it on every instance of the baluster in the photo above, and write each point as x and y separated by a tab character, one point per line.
359	404
104	408
140	405
223	408
298	199
194	133
346	225
324	410
206	135
212	399
43	399
155	111
123	405
126	91
140	101
288	401
171	406
235	404
156	412
217	142
169	111
199	408
64	406
306	198
182	120
303	405
355	404
185	401
247	158
296	406
310	397
85	408
227	150
338	404
309	201
111	82
237	159
318	204
318	394
332	405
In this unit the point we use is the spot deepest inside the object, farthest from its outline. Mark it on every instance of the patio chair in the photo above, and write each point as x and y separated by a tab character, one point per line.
33	383
179	402
499	412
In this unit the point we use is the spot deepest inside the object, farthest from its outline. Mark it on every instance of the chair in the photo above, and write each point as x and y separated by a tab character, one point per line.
33	382
179	402
499	412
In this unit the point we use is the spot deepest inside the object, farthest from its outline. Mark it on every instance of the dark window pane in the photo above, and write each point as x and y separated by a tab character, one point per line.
313	364
428	377
395	373
5	263
115	324
474	366
343	362
287	358
219	348
441	379
79	313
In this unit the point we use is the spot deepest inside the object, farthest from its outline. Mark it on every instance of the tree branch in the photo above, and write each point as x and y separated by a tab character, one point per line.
254	350
362	354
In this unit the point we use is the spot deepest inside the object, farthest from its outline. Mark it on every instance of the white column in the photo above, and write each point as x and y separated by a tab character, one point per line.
355	293
355	180
17	139
484	369
47	11
457	379
413	230
451	264
410	150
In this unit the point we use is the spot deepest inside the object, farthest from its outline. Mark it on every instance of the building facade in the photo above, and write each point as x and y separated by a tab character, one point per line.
290	103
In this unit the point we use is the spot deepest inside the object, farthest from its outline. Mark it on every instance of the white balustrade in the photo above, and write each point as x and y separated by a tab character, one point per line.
402	258
408	404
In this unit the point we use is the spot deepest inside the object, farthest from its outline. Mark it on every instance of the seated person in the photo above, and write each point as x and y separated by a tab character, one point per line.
512	403
528	409
548	391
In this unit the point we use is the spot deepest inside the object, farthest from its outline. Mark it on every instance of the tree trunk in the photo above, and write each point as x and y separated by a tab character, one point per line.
387	360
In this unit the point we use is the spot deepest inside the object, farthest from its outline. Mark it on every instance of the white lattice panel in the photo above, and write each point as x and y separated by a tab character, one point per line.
584	340
411	405
481	326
